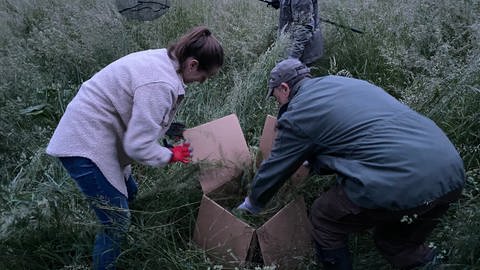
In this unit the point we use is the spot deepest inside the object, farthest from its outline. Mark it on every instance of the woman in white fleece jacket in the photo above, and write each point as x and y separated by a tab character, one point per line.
118	116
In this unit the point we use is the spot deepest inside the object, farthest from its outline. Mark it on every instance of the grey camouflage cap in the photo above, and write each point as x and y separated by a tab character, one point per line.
289	71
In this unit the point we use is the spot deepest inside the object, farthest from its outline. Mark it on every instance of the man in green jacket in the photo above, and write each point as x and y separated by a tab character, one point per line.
397	172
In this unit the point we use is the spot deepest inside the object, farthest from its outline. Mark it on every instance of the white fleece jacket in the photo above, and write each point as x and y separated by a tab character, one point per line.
120	113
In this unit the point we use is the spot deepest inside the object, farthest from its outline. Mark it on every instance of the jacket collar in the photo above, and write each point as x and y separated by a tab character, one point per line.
297	86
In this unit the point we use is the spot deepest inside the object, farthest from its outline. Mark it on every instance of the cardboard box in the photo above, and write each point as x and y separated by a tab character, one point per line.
282	240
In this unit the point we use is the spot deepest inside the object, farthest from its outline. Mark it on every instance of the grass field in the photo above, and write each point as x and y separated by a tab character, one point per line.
425	53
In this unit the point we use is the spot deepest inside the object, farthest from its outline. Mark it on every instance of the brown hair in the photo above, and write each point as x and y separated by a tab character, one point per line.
200	44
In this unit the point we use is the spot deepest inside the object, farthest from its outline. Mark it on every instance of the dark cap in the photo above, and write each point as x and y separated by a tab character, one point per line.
289	71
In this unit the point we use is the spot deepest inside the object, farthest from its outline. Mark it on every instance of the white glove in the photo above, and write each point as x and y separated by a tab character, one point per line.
249	207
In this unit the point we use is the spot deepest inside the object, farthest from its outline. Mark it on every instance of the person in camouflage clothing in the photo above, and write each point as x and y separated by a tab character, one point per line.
299	19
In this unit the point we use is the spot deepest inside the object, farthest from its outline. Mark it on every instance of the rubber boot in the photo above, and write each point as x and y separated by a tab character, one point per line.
334	259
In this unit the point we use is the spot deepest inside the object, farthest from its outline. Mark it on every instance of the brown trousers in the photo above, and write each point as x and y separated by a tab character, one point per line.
399	235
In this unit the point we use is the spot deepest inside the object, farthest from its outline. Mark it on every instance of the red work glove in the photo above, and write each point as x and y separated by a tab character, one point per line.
181	153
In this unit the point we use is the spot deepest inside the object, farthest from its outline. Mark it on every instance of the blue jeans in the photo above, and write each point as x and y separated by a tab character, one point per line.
109	205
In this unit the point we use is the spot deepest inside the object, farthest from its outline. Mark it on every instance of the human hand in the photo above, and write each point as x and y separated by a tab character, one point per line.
181	153
247	206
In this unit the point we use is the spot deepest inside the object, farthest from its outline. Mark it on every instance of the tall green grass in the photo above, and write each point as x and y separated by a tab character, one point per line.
424	53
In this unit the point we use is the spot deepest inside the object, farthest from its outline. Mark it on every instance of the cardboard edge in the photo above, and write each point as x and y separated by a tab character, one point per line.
221	234
277	233
220	160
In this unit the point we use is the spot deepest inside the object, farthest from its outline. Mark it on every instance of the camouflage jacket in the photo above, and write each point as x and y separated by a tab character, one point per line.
299	19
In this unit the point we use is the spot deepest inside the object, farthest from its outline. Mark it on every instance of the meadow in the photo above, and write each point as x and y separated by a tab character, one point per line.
425	53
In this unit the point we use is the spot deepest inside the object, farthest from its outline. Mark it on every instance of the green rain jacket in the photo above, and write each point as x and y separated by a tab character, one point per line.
385	154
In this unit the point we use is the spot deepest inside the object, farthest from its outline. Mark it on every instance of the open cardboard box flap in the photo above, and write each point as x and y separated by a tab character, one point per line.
286	236
221	146
222	234
268	136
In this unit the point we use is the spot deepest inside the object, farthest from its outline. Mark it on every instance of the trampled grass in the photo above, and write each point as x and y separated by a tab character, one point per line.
425	53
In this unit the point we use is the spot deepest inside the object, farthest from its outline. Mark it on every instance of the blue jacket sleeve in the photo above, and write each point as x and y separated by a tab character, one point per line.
291	148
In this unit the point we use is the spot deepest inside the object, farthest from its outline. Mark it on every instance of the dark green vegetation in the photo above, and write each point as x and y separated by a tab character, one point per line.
426	53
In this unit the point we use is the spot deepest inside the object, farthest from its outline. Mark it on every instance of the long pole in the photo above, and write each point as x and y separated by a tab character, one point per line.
271	3
340	25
